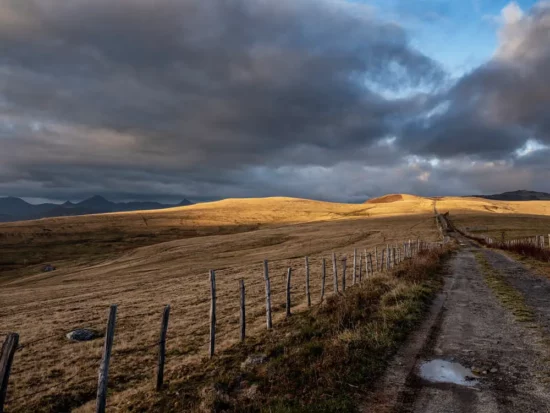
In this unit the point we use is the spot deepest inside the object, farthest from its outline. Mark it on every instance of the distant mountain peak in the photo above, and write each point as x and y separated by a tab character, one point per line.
185	202
519	195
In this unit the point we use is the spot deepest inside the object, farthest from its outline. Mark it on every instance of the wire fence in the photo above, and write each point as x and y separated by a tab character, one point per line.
533	246
274	292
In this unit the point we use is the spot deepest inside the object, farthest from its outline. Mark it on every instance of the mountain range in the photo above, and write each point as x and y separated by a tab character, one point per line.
16	209
521	195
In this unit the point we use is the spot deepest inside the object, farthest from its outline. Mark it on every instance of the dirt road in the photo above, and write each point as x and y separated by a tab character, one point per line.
470	327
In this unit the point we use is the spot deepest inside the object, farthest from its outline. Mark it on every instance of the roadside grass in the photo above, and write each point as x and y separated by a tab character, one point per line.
510	298
321	360
514	301
540	267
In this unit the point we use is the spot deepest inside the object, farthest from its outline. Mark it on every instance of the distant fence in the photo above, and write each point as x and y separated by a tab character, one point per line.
538	241
533	246
365	263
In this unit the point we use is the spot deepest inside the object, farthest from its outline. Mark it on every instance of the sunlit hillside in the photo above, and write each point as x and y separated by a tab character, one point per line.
499	207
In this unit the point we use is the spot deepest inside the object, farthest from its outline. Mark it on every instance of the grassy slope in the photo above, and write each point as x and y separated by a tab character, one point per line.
141	281
25	246
323	360
28	244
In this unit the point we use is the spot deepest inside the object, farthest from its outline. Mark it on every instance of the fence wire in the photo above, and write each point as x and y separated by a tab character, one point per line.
224	323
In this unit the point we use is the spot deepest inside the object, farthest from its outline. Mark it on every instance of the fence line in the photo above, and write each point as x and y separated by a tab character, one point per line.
385	259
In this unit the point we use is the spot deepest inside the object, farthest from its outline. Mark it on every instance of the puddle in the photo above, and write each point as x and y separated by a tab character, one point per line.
442	371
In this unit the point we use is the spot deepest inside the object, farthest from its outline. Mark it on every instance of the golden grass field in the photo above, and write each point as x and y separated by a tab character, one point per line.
498	219
144	260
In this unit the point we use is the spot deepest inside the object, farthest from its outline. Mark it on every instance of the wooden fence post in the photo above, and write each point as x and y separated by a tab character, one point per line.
335	272
243	310
361	266
382	260
269	321
344	262
308	296
9	347
376	258
323	278
370	262
354	279
288	275
162	347
103	377
212	313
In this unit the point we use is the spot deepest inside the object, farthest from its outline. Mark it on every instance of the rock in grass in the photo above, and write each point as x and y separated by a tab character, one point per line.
254	360
83	334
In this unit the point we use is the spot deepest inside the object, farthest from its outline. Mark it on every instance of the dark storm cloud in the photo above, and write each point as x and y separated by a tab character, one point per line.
215	99
172	87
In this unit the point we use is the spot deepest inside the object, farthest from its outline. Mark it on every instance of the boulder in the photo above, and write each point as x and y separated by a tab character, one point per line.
83	334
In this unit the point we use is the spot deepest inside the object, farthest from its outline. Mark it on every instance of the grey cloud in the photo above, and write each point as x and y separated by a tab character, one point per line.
180	87
495	109
212	99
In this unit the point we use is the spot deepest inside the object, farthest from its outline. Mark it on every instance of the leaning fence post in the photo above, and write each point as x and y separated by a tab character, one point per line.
6	360
103	377
288	275
267	296
335	272
243	311
162	347
212	313
308	296
344	262
323	280
354	266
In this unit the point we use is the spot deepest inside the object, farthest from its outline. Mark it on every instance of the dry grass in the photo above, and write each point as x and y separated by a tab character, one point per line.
324	360
142	280
510	298
144	260
503	226
66	240
477	205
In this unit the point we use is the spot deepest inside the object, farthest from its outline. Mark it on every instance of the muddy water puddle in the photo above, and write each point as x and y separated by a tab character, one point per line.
443	371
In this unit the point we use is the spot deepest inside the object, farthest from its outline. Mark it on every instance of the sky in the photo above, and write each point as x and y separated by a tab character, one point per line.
337	100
